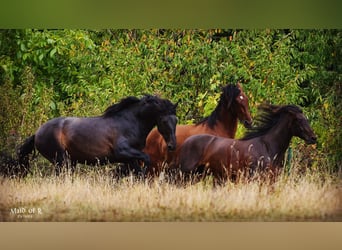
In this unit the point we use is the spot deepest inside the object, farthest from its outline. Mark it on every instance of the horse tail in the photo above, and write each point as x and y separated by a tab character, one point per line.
23	153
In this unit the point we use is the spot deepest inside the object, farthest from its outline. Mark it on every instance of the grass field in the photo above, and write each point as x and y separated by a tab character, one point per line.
95	196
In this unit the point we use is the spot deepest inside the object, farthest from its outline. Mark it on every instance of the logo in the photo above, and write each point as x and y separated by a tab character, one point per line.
26	212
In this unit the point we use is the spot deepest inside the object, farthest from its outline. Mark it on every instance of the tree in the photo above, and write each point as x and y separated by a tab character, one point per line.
49	73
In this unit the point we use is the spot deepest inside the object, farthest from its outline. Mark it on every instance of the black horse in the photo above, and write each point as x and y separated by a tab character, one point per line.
119	135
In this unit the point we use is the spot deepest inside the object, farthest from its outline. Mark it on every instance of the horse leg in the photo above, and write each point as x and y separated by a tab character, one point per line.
134	166
48	144
73	166
60	162
125	153
124	169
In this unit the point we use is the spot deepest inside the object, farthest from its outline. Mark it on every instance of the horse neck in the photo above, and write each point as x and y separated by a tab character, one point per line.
227	122
277	140
143	120
146	124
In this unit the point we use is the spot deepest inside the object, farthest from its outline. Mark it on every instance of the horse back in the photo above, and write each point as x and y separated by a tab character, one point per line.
85	139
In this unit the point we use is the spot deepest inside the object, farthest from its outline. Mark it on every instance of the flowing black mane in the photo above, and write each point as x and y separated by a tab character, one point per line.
123	104
163	106
268	117
229	93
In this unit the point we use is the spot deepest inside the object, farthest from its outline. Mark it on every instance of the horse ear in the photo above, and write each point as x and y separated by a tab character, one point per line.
149	99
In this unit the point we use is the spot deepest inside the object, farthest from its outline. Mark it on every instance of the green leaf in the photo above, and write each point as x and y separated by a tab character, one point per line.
53	105
22	47
53	52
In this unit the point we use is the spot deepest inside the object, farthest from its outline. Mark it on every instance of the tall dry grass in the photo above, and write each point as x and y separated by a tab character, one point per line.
95	196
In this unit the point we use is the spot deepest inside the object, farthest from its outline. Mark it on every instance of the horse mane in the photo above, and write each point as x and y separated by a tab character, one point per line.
164	106
269	116
167	107
229	93
123	104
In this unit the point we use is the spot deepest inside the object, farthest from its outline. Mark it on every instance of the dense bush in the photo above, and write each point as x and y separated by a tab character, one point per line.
49	73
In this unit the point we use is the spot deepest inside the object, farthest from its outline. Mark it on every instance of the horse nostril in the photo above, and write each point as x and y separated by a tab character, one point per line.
247	124
312	140
170	147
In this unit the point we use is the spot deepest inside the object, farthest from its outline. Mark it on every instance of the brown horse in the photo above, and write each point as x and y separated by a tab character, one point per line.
223	121
119	135
262	148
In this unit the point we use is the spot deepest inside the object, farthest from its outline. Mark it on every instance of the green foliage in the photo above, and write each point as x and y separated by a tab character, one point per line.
49	73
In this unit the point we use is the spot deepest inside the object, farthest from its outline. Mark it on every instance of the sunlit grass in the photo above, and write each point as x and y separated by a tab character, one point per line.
95	196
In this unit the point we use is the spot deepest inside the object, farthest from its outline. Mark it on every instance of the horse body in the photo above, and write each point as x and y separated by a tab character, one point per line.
223	121
118	135
86	140
263	149
225	157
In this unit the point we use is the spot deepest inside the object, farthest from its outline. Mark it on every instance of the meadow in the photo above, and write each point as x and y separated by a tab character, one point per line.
93	195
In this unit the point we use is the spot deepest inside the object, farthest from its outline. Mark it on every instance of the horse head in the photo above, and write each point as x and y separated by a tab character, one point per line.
165	112
237	102
300	126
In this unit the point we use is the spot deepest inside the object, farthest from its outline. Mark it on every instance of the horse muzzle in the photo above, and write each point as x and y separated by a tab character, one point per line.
247	124
311	140
171	146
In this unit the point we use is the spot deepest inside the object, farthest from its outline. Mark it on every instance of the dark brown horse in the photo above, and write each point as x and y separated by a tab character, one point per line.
262	148
119	135
223	121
